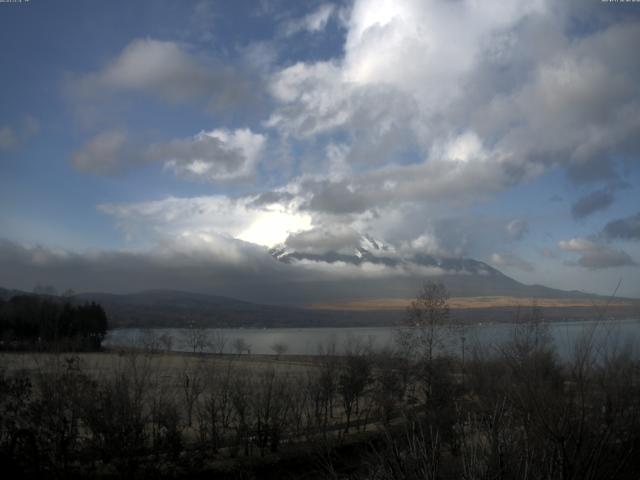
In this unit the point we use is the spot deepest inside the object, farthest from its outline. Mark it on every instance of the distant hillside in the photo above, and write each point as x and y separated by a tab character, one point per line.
170	308
464	277
166	308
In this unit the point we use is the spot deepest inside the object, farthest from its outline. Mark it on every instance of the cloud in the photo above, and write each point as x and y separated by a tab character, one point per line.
623	228
239	218
319	240
517	229
218	155
507	259
215	156
335	198
313	22
168	70
211	263
426	243
429	106
592	203
13	136
512	96
270	198
595	256
108	152
203	20
8	138
201	262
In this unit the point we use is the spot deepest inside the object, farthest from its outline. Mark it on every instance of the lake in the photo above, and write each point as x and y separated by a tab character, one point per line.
306	341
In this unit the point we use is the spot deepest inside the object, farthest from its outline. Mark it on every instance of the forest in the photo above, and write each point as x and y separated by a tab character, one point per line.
36	322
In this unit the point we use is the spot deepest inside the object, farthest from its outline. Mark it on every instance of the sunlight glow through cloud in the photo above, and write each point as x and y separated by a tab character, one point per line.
272	227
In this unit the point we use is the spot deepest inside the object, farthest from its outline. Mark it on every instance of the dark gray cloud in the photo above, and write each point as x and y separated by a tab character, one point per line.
594	255
336	198
592	203
323	240
623	228
218	265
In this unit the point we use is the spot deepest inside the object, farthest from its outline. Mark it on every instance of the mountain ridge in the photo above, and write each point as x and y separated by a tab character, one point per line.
462	276
175	308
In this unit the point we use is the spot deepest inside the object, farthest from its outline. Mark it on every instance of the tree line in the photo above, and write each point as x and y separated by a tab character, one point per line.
42	322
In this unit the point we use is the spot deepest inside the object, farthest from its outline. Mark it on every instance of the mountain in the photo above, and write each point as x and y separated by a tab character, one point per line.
368	283
171	308
463	277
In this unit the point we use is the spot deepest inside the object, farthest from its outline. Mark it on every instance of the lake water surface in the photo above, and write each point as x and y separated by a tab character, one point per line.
306	341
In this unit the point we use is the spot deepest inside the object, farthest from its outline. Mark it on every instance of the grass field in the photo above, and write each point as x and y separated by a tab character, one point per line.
170	364
468	303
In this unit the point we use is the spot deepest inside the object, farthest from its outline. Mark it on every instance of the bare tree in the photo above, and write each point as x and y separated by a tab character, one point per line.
216	411
149	340
530	335
270	402
240	346
218	341
427	325
242	421
166	341
326	383
389	386
116	415
425	318
355	376
192	387
197	338
279	348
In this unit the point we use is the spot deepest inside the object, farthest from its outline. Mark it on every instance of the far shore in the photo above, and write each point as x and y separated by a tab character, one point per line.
476	302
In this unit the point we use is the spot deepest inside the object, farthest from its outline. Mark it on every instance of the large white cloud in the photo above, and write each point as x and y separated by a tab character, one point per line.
484	94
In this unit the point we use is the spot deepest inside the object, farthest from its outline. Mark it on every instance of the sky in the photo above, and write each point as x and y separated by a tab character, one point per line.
171	143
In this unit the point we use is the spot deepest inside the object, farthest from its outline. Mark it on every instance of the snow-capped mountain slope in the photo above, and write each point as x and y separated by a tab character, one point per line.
462	276
373	251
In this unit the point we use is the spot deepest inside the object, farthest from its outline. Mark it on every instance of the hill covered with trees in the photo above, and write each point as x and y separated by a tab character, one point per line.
43	323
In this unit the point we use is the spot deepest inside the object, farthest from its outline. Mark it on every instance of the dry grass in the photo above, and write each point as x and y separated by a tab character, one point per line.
465	302
171	364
